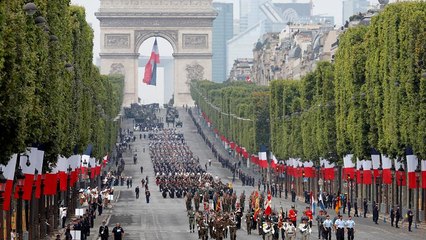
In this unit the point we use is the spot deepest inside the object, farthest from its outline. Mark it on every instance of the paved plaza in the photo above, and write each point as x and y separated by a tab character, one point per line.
167	218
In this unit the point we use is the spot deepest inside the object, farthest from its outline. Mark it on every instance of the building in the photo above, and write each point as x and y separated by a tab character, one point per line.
222	31
352	7
250	14
241	70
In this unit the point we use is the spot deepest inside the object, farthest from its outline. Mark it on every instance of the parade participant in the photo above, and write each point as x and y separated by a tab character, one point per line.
137	192
308	213
232	229
339	227
327	225
365	203
249	220
290	231
103	231
375	213
191	218
202	226
147	195
397	216
410	219
320	219
292	215
118	232
350	227
268	230
392	215
305	229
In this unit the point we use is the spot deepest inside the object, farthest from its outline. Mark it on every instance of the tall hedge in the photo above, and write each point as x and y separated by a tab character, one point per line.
42	103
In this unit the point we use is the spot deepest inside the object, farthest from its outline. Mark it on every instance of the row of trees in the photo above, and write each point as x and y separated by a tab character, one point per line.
239	111
53	97
373	96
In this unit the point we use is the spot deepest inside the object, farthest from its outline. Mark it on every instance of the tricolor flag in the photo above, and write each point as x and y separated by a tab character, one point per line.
375	159
263	161
328	170
367	175
62	167
309	169
29	162
150	76
412	163
400	175
313	204
9	174
387	165
359	163
348	167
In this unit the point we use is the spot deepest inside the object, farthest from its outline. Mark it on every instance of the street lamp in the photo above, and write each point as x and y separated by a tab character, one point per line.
19	176
361	171
379	184
400	175
393	186
418	171
30	8
2	188
350	188
68	197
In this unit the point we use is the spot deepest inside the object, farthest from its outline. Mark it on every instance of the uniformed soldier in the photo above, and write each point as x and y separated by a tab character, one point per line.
232	229
350	226
268	229
249	219
339	226
327	224
290	230
320	219
191	218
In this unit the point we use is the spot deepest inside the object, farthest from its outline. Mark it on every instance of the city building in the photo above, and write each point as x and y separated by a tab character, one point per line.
352	7
241	70
222	31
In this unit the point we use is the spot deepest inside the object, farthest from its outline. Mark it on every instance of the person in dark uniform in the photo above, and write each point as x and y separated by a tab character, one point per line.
375	213
397	216
118	232
410	219
103	231
392	215
137	192
249	219
365	207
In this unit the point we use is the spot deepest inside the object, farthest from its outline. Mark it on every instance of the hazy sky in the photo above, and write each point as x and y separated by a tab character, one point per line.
326	7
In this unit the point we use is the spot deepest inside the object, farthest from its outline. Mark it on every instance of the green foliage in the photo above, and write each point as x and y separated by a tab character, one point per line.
42	103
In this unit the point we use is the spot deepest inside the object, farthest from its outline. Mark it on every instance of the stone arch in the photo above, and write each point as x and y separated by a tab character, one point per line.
142	35
117	68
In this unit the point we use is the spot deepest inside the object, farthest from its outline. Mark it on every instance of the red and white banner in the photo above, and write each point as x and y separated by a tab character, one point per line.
105	161
75	162
309	169
263	160
39	167
401	178
29	161
328	169
367	174
375	159
412	163
423	173
9	174
348	167
387	174
268	209
61	166
359	163
274	162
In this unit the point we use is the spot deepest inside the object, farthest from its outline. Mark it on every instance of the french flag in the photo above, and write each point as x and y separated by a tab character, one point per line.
412	163
263	161
274	163
150	76
28	163
387	165
328	169
62	168
75	164
359	163
348	167
368	175
51	179
375	158
268	203
309	169
9	174
39	167
92	168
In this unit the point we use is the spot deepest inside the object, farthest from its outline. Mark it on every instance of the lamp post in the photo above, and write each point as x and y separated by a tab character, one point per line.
33	209
2	188
68	197
19	176
418	171
393	186
42	210
361	171
379	189
400	176
350	188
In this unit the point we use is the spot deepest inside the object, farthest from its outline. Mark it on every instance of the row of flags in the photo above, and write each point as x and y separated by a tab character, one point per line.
31	164
296	167
150	76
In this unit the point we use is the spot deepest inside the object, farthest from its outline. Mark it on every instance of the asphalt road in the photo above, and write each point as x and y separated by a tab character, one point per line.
166	218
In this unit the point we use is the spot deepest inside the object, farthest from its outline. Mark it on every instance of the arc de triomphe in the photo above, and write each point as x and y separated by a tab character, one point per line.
186	24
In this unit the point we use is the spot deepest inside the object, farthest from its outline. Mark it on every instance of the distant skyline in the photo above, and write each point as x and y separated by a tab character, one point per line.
321	7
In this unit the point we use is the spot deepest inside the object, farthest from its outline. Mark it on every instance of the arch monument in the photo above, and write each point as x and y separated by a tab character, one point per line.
186	24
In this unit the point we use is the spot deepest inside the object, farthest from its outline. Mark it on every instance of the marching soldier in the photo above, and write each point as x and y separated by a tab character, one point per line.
232	229
339	226
191	217
290	230
249	219
327	224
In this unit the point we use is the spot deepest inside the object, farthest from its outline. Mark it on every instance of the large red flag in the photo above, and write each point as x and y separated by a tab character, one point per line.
268	209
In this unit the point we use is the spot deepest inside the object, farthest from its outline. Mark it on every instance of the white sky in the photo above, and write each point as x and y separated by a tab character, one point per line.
326	7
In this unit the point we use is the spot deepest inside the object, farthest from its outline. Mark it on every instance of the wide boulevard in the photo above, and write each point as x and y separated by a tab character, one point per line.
167	218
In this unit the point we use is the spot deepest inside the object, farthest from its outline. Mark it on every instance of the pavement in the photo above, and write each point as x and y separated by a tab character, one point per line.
167	219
